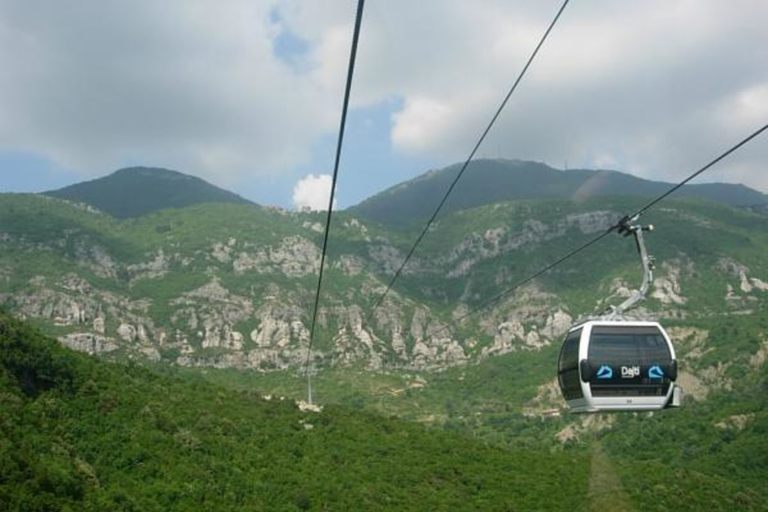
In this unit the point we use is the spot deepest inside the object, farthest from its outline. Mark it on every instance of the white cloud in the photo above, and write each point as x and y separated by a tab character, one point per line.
655	87
188	84
313	193
419	123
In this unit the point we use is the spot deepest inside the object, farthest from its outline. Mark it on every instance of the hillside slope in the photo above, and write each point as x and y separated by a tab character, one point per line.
80	434
137	191
233	285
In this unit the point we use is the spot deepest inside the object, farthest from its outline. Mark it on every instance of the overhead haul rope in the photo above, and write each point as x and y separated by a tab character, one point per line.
620	225
466	163
689	178
350	73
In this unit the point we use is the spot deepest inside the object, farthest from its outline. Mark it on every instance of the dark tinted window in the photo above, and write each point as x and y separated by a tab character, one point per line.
570	384
569	354
568	367
637	390
628	345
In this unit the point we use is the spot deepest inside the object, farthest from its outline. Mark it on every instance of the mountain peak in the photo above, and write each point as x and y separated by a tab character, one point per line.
137	191
152	172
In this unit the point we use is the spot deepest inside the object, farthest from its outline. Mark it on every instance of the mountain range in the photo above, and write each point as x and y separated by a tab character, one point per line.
232	285
221	294
224	282
137	191
491	181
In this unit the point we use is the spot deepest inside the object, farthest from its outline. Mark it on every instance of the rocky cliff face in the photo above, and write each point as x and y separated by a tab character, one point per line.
267	328
229	299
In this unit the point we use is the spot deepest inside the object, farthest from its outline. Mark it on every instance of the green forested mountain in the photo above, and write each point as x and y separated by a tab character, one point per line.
233	285
136	191
492	181
218	297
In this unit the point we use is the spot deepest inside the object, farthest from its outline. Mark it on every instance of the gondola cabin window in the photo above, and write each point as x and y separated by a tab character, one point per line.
568	372
637	358
640	345
607	365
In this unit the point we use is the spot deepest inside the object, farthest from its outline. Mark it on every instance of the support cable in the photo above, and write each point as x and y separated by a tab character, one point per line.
466	163
350	73
621	226
528	279
689	178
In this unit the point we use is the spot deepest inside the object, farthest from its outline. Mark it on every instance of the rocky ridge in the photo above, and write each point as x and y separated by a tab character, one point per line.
239	301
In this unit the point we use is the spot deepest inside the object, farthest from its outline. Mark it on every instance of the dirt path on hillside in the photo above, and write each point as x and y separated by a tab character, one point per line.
606	492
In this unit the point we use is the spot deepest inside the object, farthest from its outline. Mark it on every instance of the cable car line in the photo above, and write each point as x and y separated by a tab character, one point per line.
613	363
528	279
466	163
347	91
689	178
622	226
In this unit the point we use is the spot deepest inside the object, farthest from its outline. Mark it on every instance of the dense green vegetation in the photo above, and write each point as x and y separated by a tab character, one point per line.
708	455
79	434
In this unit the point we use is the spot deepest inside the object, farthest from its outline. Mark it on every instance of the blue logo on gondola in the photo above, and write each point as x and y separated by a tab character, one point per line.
604	372
655	372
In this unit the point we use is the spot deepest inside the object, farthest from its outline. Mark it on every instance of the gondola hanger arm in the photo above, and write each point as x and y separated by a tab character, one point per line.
626	228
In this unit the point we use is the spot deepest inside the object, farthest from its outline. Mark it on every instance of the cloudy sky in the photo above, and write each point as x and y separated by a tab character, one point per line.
247	93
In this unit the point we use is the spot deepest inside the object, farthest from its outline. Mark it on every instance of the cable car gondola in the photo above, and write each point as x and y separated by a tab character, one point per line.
617	365
614	364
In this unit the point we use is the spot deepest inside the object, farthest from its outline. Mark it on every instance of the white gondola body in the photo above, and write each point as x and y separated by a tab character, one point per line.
607	365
